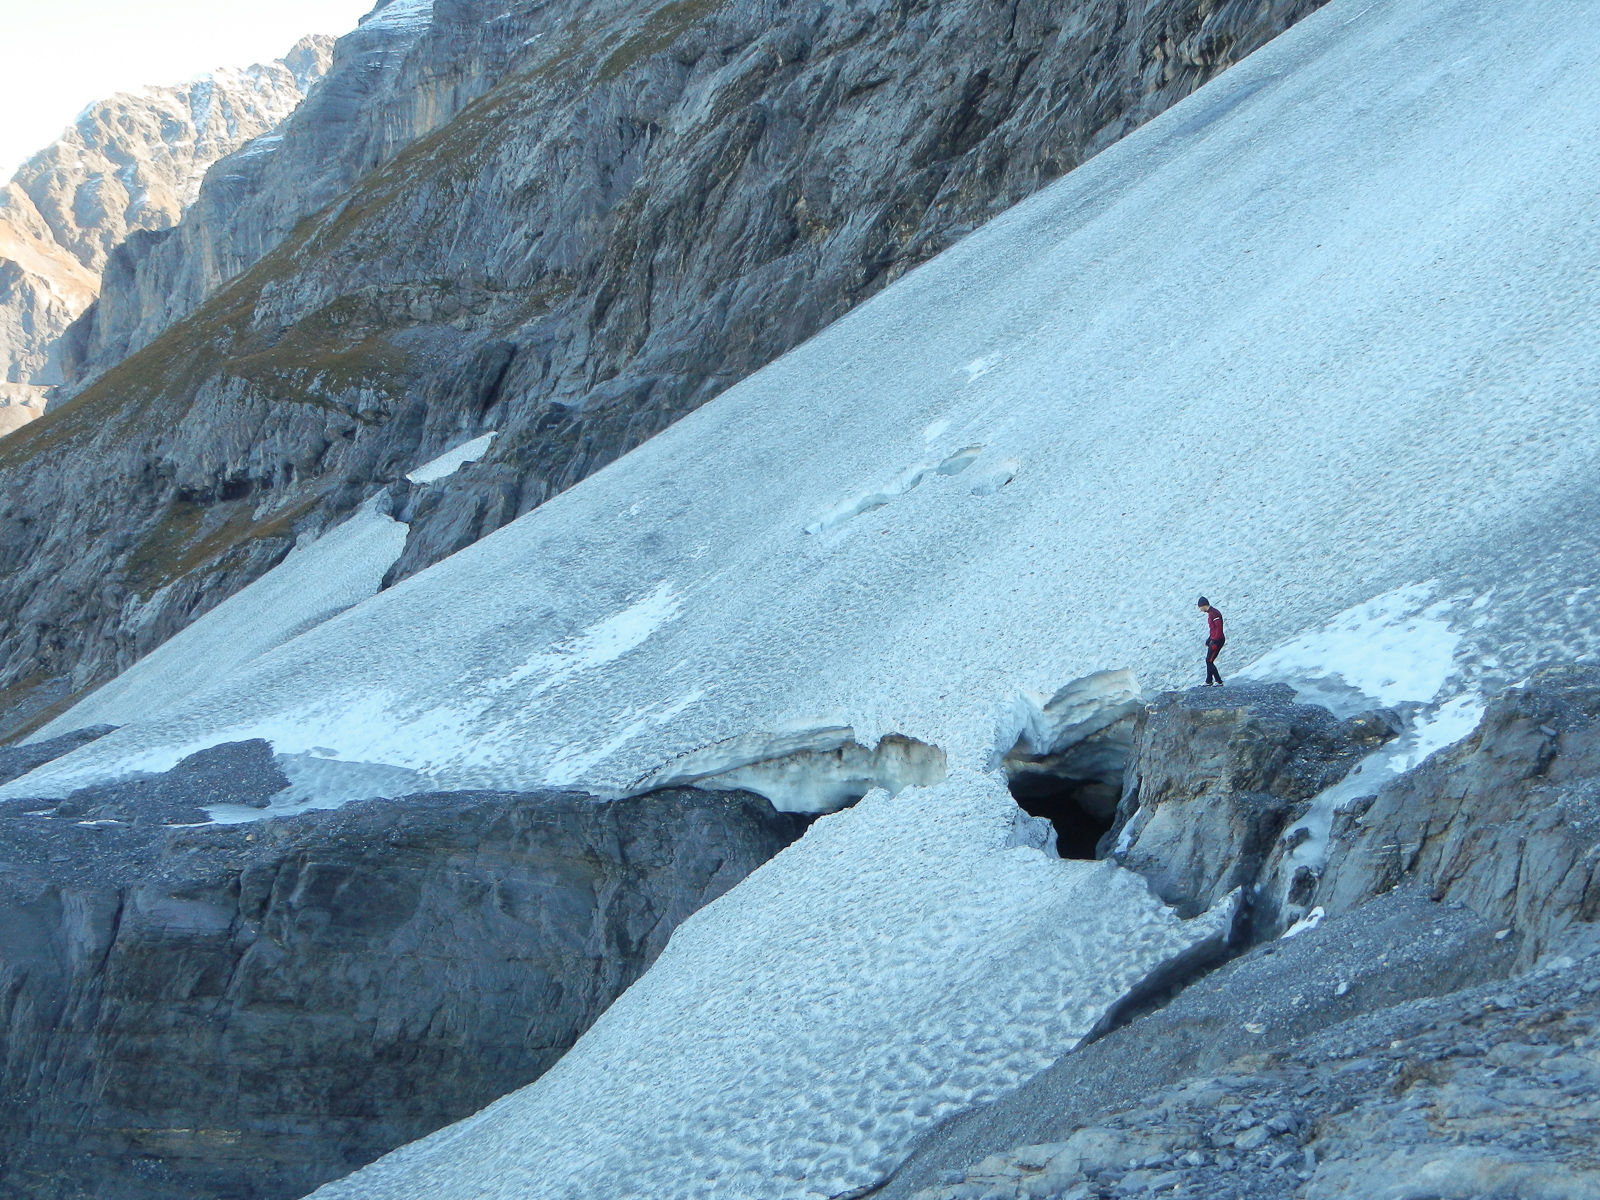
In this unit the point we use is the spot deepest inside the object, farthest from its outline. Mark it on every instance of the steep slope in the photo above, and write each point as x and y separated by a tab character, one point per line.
1062	406
398	75
42	288
1318	342
130	163
135	161
650	203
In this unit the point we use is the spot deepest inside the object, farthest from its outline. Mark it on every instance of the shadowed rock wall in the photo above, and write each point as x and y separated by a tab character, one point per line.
248	1011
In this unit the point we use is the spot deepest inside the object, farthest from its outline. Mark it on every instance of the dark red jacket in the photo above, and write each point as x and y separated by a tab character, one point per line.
1215	618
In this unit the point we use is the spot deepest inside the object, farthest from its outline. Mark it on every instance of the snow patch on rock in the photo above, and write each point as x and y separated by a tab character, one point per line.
1398	649
313	584
401	16
452	461
1395	647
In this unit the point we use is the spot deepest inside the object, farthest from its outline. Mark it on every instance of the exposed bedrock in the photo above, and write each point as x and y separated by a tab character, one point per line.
17	761
1506	821
1485	1092
1216	774
251	1010
569	223
1352	1038
1258	1004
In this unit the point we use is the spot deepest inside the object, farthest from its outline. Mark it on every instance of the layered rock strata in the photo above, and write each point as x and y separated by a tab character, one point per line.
633	207
131	163
250	1010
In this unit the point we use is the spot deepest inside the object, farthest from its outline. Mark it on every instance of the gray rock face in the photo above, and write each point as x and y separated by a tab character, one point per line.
17	761
1341	1078
374	98
1263	1003
1484	1093
132	162
42	288
1506	821
1215	775
248	1011
609	214
136	160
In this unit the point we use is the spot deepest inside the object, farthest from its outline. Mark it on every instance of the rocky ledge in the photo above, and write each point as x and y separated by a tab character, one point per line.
1424	1031
250	1010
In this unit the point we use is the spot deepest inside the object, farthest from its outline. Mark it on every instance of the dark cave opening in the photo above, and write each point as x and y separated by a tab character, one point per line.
1082	810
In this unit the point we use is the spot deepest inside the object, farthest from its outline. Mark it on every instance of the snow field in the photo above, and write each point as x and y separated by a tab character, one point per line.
1322	342
1293	345
894	966
314	583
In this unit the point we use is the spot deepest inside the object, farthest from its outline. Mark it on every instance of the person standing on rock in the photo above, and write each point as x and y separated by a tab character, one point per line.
1214	642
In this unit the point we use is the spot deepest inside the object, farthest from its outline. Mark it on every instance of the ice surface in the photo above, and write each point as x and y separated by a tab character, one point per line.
452	461
312	584
1322	333
798	1033
833	771
1040	725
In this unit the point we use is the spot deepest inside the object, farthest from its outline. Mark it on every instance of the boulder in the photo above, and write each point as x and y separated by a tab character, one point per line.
1214	777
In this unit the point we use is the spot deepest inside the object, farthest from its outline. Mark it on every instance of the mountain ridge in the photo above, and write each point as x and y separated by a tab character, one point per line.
132	162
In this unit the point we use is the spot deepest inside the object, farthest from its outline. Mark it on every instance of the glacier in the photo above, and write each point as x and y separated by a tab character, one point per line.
786	1045
1349	361
1319	342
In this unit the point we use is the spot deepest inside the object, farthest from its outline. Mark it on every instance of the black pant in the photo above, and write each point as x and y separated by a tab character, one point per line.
1212	674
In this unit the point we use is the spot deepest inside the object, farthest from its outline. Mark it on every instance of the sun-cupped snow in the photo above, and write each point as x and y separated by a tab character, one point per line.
1325	330
452	461
315	582
895	966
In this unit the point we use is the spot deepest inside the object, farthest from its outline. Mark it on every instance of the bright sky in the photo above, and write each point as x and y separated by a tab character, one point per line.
56	56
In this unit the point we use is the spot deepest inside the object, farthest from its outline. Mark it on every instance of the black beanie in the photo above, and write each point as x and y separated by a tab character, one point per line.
1203	603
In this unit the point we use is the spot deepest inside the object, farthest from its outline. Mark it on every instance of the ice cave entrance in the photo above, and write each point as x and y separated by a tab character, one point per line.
1081	810
1068	755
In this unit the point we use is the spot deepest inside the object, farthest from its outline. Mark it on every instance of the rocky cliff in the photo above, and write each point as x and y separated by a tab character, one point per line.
249	1010
609	214
130	163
